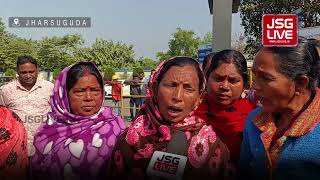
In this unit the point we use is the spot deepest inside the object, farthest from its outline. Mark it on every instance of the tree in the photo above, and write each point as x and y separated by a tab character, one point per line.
251	12
58	52
2	27
17	47
10	72
108	72
147	63
106	52
183	43
56	72
239	44
12	46
207	39
161	56
55	53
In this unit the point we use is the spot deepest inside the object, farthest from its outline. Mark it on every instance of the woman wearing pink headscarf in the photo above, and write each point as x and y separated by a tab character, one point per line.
166	124
77	140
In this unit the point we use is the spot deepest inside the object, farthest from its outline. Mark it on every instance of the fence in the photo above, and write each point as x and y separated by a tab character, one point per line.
124	96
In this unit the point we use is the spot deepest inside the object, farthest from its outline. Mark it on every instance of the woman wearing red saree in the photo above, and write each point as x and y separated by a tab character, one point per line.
223	107
13	150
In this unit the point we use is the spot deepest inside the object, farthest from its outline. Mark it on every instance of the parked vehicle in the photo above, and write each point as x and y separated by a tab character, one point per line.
5	79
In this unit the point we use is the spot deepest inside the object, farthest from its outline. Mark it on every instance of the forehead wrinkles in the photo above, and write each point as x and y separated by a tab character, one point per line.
266	62
181	74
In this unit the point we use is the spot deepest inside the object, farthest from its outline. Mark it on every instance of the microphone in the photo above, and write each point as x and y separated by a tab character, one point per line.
170	164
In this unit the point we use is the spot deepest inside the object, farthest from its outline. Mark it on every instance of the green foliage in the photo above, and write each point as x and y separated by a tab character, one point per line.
55	53
251	12
56	72
10	72
136	70
183	43
12	46
58	52
106	52
207	39
161	56
147	63
2	27
108	72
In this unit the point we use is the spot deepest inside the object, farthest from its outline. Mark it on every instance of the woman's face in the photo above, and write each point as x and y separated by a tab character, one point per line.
274	89
225	84
86	96
178	93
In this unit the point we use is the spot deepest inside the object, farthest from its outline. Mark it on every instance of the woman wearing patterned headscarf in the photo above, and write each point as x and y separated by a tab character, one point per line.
166	124
77	140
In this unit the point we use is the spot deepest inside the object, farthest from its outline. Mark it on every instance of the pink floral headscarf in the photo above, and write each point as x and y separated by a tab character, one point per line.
150	132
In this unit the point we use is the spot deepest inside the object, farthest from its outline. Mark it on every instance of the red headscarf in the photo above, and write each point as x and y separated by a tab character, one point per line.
13	150
228	122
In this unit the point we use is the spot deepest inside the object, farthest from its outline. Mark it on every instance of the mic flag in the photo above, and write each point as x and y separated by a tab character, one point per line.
166	165
171	164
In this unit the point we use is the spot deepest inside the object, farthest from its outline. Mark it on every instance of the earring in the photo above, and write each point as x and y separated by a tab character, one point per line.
297	93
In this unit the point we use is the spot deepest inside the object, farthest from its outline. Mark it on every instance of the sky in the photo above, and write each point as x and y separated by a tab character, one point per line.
146	24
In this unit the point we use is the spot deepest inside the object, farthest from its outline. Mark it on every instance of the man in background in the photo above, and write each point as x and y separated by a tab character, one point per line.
28	96
145	85
116	88
135	92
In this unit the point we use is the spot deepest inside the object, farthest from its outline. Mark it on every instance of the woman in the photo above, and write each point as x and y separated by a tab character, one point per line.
223	108
13	150
77	140
281	138
167	124
206	63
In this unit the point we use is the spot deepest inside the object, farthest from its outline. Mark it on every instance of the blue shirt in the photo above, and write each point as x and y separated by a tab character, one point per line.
299	158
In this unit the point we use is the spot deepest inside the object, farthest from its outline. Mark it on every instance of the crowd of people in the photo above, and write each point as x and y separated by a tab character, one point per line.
196	113
138	89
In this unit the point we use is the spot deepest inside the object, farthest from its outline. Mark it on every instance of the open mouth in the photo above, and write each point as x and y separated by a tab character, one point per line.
174	111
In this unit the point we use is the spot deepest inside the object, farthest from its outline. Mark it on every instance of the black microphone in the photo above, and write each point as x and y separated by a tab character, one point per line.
178	143
170	164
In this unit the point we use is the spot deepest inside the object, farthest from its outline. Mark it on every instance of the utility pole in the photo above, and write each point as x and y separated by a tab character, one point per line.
221	11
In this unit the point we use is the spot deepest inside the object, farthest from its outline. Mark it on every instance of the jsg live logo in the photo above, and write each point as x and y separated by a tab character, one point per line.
279	30
166	165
